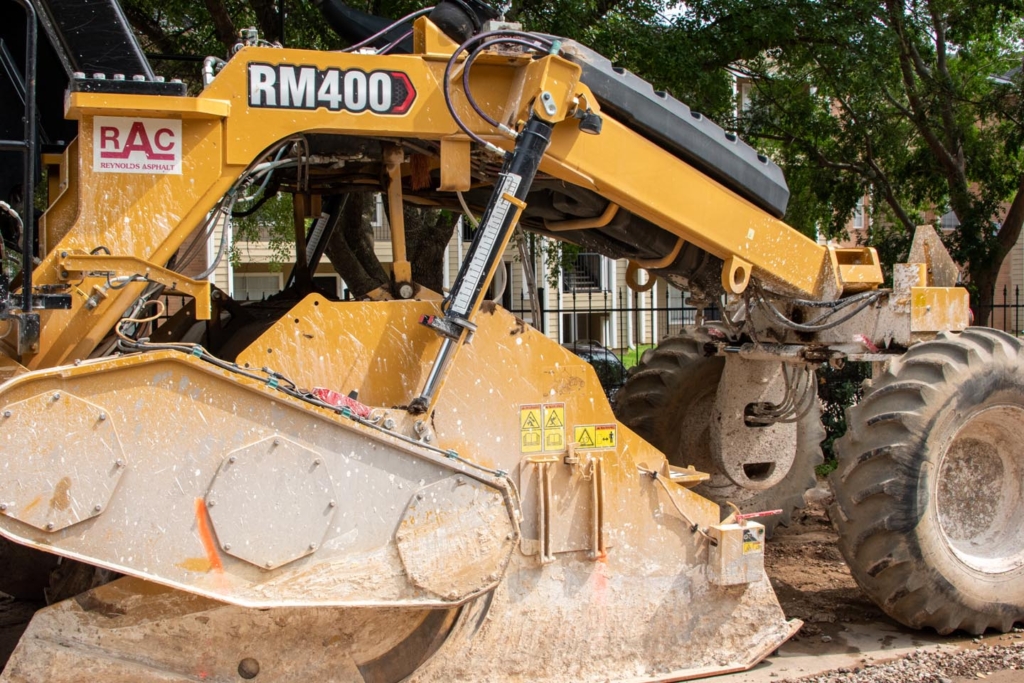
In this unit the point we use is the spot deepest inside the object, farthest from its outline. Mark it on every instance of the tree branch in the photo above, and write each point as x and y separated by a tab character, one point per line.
222	24
268	19
147	26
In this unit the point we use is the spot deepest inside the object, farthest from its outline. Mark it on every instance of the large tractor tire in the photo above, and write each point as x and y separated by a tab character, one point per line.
930	485
668	400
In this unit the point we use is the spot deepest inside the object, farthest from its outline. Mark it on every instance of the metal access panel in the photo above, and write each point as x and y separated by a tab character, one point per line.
93	36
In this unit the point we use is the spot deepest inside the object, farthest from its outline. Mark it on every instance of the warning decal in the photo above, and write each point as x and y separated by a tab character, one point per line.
554	426
542	427
751	542
531	440
594	436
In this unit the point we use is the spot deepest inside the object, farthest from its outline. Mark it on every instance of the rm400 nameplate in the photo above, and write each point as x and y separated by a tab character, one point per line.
291	86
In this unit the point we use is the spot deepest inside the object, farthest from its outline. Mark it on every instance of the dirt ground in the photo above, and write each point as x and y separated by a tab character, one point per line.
810	576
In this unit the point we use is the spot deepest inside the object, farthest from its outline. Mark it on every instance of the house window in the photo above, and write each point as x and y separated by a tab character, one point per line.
858	215
590	273
256	286
330	285
949	221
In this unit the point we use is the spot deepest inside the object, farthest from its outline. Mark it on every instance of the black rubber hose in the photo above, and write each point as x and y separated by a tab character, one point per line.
356	26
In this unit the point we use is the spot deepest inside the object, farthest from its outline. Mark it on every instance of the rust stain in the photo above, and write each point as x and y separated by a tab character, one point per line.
61	499
206	536
195	564
36	501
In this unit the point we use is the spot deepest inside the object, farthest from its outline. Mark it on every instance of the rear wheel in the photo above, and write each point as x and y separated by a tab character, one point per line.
669	399
930	485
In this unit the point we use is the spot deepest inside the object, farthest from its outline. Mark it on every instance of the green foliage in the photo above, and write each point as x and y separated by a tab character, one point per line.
893	100
272	224
838	389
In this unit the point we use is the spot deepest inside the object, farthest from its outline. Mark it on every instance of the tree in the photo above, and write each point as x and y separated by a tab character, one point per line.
893	99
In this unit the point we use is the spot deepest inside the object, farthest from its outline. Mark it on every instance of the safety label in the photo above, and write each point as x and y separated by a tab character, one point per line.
594	436
136	145
542	427
554	426
751	543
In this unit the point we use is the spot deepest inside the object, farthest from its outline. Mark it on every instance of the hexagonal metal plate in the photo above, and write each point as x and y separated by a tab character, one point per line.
69	460
455	538
271	502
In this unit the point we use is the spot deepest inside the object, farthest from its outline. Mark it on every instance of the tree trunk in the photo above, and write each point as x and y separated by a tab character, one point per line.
428	232
350	249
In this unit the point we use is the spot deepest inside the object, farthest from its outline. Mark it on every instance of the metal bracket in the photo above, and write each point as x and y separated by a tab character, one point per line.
76	266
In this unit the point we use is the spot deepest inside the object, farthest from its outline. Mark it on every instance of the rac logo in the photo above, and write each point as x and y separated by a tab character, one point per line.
137	145
291	86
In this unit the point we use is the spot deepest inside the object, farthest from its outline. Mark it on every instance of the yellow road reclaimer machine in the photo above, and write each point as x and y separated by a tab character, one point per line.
476	511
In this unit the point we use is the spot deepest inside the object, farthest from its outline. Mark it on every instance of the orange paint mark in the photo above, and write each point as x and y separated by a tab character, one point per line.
31	505
206	536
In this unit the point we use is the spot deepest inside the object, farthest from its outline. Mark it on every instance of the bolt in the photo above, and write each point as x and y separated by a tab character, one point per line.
428	437
159	79
99	76
268	564
332	504
118	77
232	460
509	536
316	463
227	546
119	463
389	423
419	496
3	507
63	254
493	577
97	508
56	397
64	274
210	503
248	668
312	546
103	416
277	442
49	526
138	77
79	74
458	481
7	413
546	96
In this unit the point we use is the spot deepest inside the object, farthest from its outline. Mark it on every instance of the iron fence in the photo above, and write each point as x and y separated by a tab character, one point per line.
623	321
1006	316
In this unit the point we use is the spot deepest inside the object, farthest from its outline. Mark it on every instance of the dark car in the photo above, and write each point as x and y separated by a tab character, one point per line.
610	370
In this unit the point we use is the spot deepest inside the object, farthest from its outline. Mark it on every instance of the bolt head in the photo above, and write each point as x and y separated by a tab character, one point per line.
102	417
97	508
226	546
210	503
49	526
268	564
419	496
232	460
277	442
3	507
119	463
56	396
316	463
312	546
332	504
7	413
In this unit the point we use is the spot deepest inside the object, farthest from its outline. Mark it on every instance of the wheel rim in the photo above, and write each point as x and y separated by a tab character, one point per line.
979	491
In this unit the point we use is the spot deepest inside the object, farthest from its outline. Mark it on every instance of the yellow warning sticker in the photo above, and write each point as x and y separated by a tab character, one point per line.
554	426
751	547
530	441
584	436
605	435
594	436
529	417
542	427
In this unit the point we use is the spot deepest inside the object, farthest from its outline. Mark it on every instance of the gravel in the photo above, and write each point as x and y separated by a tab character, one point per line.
932	666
